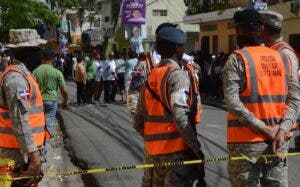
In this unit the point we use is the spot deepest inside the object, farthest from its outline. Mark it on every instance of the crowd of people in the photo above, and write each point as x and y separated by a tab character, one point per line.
210	78
95	75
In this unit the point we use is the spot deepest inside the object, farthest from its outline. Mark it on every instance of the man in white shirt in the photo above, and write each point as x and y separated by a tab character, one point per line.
74	63
120	70
110	84
99	79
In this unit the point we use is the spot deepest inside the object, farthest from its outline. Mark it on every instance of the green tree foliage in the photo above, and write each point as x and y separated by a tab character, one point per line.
198	6
15	14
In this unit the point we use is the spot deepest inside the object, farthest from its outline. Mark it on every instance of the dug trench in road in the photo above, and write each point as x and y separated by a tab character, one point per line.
58	160
87	180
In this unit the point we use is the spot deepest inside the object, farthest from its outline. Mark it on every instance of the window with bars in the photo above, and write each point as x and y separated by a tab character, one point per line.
160	13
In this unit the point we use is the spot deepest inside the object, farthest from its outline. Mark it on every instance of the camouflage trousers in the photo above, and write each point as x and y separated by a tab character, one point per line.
270	172
180	176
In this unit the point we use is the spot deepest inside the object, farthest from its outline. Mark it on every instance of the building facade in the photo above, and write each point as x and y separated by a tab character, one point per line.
172	11
217	32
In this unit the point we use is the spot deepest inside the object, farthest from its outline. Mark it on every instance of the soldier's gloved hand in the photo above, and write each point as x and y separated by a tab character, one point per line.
34	168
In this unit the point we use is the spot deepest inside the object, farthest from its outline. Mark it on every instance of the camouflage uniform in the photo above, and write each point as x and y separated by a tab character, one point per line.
254	172
292	110
178	83
13	83
139	77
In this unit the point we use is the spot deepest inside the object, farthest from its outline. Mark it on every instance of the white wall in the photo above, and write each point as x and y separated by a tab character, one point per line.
176	11
106	12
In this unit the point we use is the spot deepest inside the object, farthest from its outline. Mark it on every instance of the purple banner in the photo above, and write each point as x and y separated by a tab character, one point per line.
134	12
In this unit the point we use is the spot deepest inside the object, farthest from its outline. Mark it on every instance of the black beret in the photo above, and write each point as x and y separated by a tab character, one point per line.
248	16
172	34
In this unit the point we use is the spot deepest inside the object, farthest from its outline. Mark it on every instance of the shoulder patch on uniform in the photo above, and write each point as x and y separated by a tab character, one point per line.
24	94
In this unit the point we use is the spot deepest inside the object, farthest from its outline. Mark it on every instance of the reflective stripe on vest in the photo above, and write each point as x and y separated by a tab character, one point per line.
36	118
161	135
278	47
194	94
267	76
281	45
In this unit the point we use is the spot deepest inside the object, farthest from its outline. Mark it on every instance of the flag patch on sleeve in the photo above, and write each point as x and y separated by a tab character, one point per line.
24	94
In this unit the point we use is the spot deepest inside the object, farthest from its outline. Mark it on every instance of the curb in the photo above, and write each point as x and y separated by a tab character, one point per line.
208	99
214	104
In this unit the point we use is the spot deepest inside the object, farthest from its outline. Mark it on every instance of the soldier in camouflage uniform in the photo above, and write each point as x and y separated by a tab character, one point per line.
141	71
273	39
144	66
178	86
255	172
13	96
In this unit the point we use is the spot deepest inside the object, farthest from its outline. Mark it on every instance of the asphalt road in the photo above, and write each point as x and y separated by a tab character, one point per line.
101	135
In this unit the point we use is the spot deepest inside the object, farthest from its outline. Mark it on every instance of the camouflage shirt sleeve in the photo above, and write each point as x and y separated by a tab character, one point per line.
138	116
293	97
19	111
234	81
178	91
142	68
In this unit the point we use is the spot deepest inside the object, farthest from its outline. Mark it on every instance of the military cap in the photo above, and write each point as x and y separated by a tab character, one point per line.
248	16
272	19
163	25
172	34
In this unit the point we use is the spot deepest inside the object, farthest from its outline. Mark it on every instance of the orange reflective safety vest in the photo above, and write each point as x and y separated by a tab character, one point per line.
267	76
278	47
195	93
36	117
161	134
281	45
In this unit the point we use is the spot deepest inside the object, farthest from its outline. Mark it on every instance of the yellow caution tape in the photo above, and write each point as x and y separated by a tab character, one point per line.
165	164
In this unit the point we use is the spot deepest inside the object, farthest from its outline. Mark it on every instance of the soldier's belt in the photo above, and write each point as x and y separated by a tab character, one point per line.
156	165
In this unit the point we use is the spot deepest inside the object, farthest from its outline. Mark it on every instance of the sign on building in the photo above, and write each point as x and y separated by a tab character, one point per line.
63	44
64	26
134	12
135	34
96	37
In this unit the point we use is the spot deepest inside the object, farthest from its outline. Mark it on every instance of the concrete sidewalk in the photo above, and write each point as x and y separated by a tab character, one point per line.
58	161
